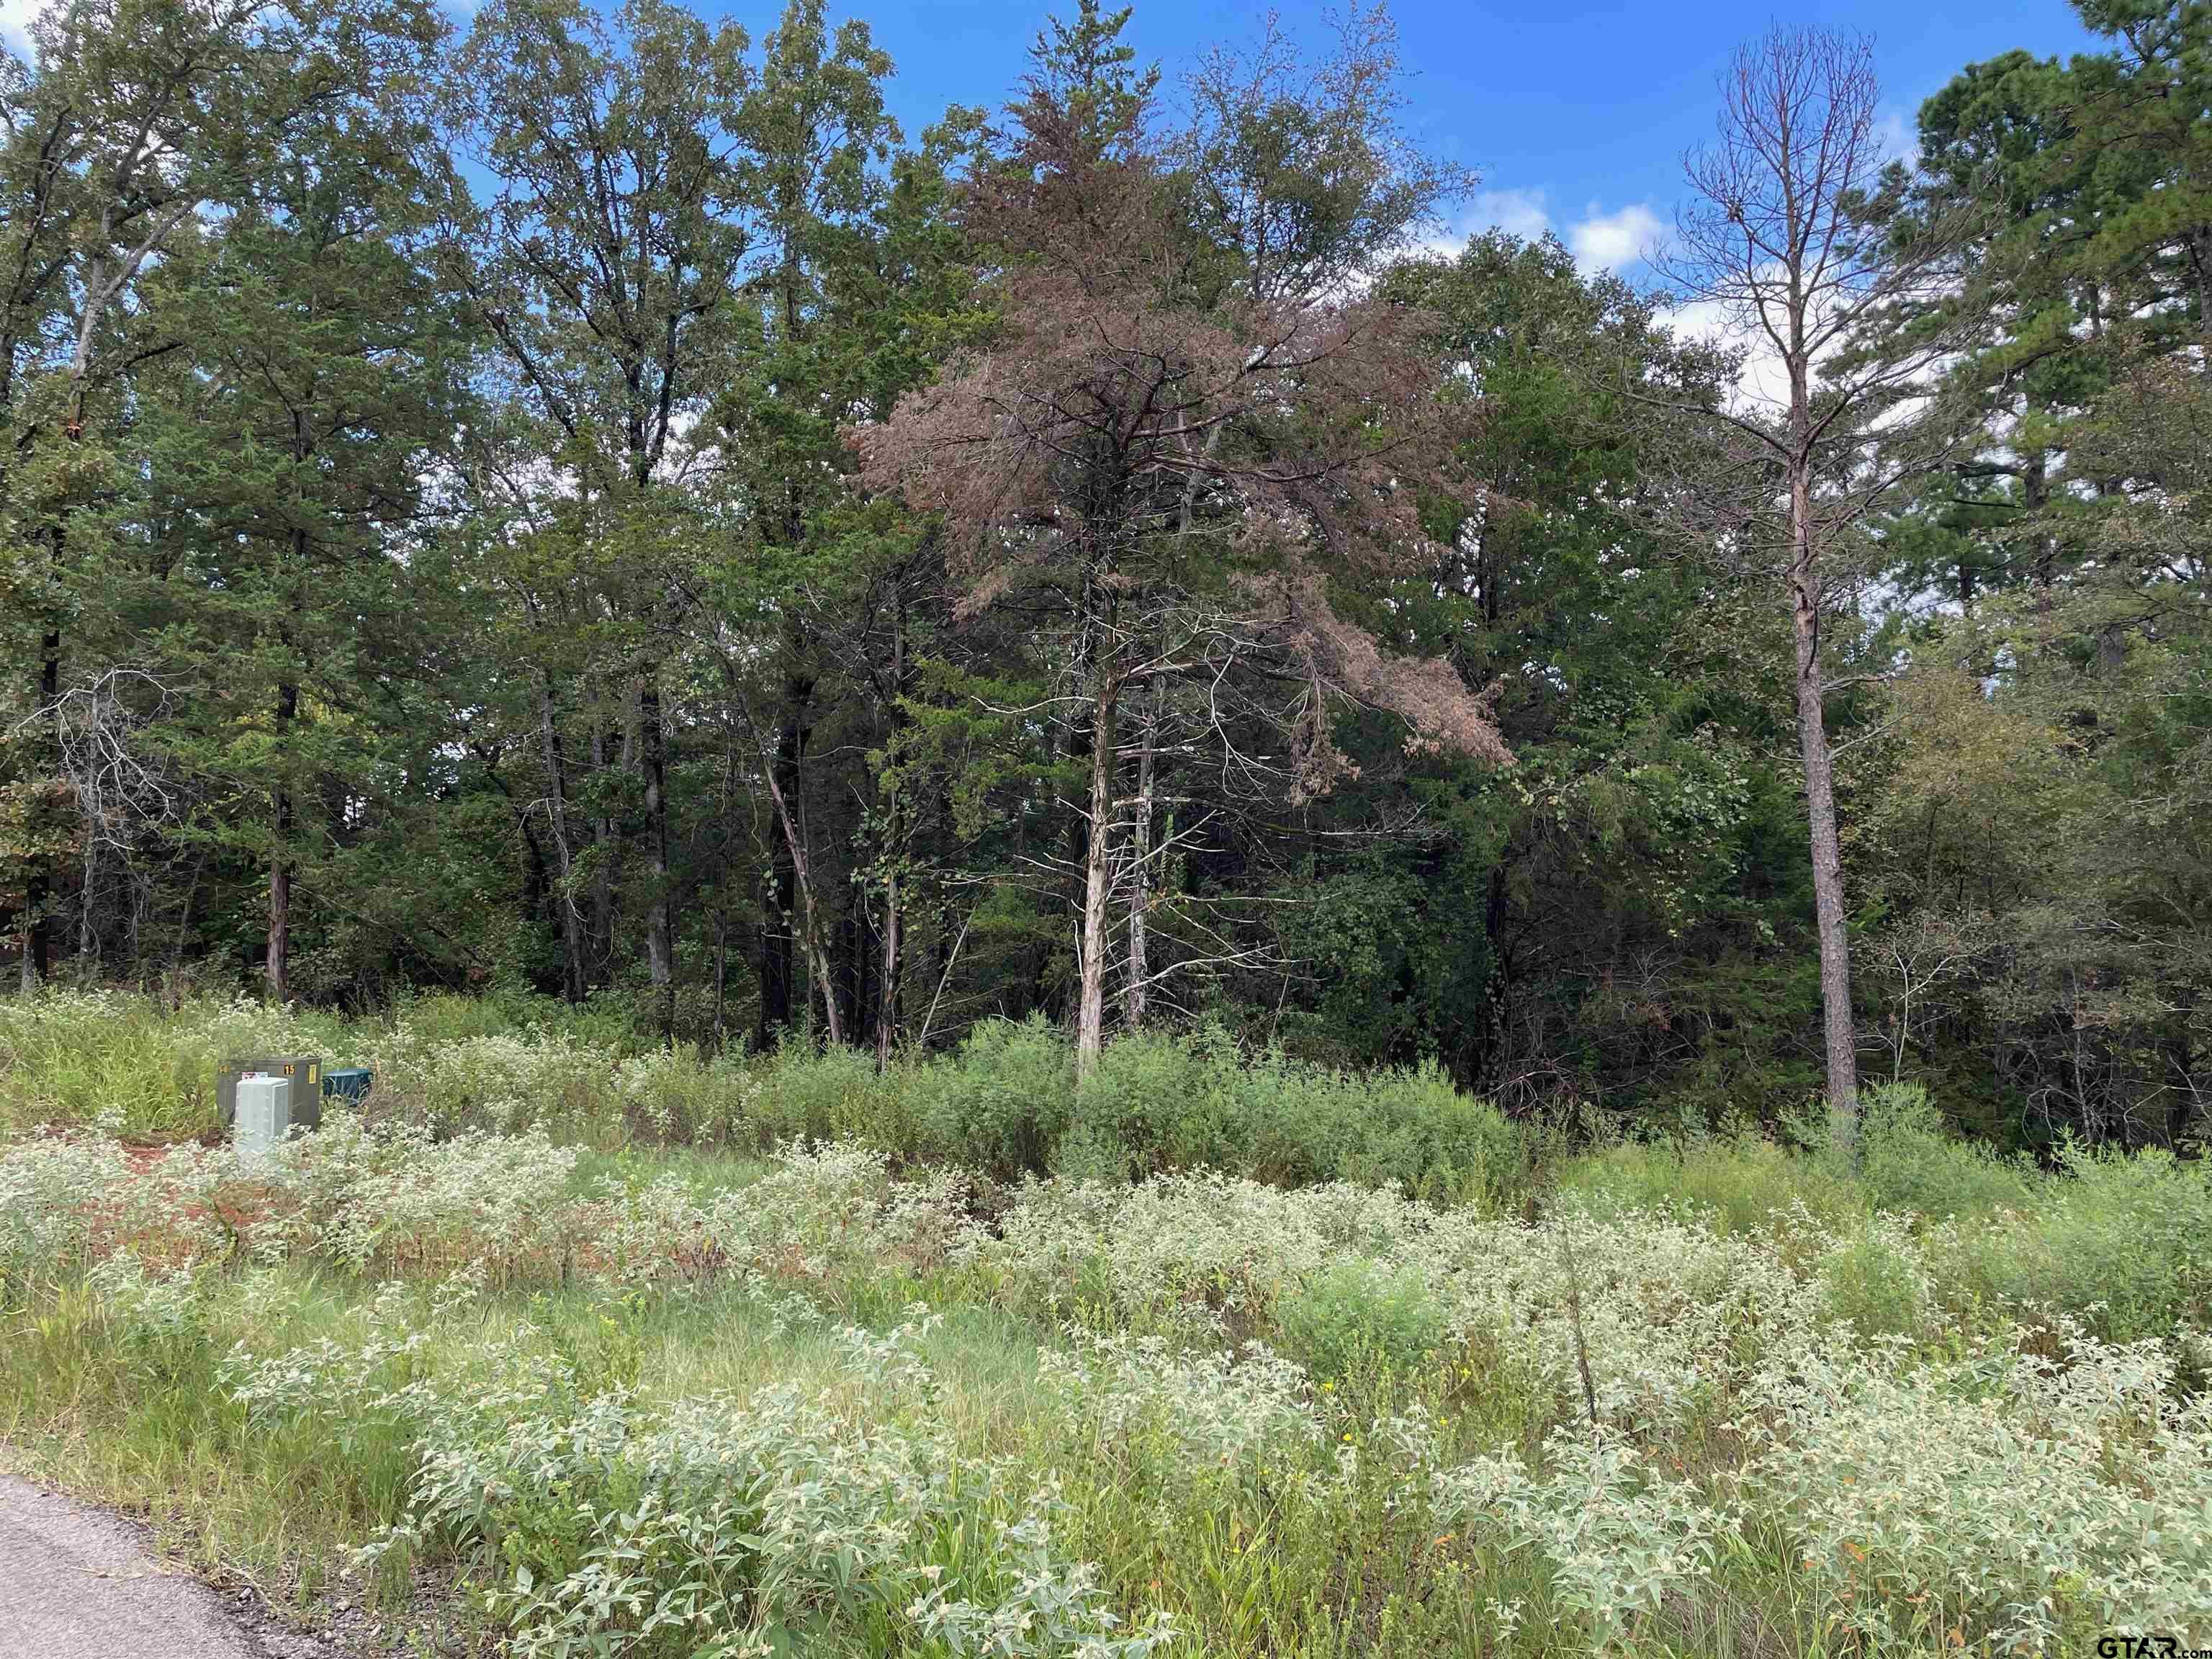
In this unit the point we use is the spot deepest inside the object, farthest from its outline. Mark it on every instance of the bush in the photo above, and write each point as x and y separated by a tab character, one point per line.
1875	1281
70	1057
2122	1243
1417	1128
1156	1103
1362	1319
1907	1160
823	1094
1002	1102
51	1194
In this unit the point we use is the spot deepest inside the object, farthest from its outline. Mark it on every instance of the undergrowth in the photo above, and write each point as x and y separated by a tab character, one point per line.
1215	1353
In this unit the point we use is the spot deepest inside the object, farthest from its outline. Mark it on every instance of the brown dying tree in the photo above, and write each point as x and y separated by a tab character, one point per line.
1196	416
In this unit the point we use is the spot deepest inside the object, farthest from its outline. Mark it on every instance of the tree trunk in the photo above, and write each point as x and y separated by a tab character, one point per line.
38	880
1090	1007
2035	495
557	775
1841	1034
782	896
278	965
2199	243
775	943
38	883
887	985
603	836
88	920
1141	860
721	974
660	927
818	955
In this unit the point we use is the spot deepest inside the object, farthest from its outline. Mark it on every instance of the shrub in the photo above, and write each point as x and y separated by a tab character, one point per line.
1875	1280
823	1094
1362	1319
1203	1412
73	1056
1156	1103
606	1021
1002	1102
1617	1538
835	1211
2121	1242
1907	1160
52	1193
684	1098
2020	1505
1881	1486
759	1523
1417	1128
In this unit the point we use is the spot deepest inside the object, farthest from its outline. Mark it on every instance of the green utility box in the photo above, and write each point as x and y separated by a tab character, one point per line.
348	1083
303	1071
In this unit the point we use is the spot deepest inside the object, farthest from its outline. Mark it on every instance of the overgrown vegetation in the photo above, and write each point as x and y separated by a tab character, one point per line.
1162	924
897	1391
579	503
1005	1104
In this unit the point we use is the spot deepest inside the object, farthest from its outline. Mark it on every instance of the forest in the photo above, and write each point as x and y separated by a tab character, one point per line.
578	506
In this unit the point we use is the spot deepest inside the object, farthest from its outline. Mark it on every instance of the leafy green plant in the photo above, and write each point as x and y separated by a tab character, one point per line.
1357	1319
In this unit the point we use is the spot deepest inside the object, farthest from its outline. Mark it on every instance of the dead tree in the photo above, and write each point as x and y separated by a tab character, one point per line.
1795	243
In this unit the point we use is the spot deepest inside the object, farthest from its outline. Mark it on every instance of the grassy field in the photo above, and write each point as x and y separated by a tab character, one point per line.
1214	1355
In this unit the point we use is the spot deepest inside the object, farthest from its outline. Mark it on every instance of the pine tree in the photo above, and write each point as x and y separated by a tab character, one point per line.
287	449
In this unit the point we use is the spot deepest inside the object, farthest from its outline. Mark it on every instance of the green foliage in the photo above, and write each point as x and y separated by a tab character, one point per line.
1909	1161
1158	1102
806	1094
1876	1283
430	570
1743	1183
398	626
2118	1242
1360	1321
1003	1104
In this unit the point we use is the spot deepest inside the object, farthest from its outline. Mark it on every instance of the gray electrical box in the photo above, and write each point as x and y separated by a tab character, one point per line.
263	1109
303	1072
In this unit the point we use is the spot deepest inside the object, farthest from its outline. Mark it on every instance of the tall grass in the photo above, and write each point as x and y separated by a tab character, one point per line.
1005	1104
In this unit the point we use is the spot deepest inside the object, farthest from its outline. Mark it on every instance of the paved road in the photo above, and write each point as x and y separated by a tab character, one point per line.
76	1583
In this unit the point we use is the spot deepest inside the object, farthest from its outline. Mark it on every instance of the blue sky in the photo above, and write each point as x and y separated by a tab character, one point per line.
1576	114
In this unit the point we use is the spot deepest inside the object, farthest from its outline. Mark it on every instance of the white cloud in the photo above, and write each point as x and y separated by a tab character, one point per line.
1599	241
1896	135
1613	241
16	17
1763	386
1520	213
